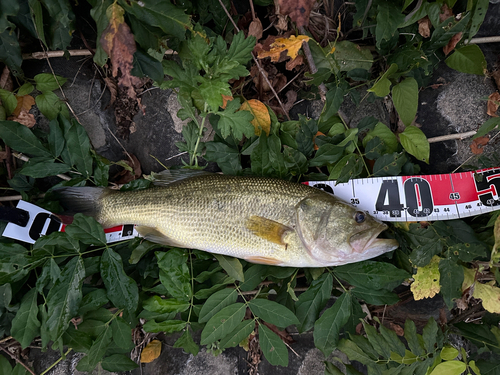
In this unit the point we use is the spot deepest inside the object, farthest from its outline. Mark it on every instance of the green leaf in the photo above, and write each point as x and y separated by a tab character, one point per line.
216	302
451	279
50	105
9	101
448	353
242	331
369	273
86	230
389	164
64	298
375	297
226	157
160	305
122	289
21	139
174	273
223	323
350	166
186	342
48	82
354	352
163	14
395	344
385	134
232	266
326	154
272	347
389	18
253	277
56	139
272	312
98	13
92	301
349	56
145	65
327	327
122	333
405	99
412	338
77	151
19	370
43	168
449	368
96	351
334	99
10	52
305	134
478	14
118	362
415	143
212	92
240	48
312	301
377	341
26	326
468	59
382	86
5	366
429	335
235	122
168	326
488	126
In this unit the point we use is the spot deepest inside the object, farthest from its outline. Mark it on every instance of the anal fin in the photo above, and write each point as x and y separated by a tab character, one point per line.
264	260
267	229
154	235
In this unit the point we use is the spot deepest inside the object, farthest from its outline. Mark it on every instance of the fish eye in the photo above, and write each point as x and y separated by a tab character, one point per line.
359	217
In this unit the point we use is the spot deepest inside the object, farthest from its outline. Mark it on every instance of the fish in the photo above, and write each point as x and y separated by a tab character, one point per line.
261	220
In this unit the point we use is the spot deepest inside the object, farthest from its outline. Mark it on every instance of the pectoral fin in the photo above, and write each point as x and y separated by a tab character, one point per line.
154	235
264	260
268	229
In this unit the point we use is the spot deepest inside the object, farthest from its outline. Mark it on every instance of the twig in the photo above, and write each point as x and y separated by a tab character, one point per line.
261	70
72	52
312	66
448	137
11	198
17	360
25	158
486	39
252	9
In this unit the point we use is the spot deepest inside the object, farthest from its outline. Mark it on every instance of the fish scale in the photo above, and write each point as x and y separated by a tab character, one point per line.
263	220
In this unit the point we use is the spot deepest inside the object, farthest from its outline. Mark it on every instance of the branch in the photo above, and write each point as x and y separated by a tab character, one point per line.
448	137
17	360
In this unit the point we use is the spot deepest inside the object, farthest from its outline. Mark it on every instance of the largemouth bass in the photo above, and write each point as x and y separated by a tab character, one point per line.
261	220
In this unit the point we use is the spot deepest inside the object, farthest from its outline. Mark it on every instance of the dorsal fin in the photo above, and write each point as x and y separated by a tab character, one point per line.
169	176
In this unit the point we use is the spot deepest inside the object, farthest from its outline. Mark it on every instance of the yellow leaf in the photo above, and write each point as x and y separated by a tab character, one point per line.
489	294
292	45
25	103
426	284
225	99
151	351
261	118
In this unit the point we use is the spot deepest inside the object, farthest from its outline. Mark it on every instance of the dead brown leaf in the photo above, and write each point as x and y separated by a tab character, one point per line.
151	351
446	13
477	146
496	76
118	42
291	98
255	29
126	175
493	103
452	43
113	89
297	10
25	103
25	118
424	27
6	82
397	328
291	64
225	99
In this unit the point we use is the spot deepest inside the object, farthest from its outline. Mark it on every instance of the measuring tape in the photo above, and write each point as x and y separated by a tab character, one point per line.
419	198
402	198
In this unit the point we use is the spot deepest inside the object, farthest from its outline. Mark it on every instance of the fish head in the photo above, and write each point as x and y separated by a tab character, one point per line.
335	233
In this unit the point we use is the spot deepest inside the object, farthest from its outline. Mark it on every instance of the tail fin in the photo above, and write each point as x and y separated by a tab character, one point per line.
85	200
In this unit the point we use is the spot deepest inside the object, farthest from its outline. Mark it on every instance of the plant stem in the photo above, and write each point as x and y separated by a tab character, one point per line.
193	157
56	362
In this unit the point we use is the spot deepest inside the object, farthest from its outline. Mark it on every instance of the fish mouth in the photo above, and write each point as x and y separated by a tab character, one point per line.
366	242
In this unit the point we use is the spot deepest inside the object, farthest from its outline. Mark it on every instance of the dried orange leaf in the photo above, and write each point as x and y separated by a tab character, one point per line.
314	140
24	118
291	64
118	42
25	103
424	27
225	99
297	10
493	103
151	351
261	118
292	45
452	43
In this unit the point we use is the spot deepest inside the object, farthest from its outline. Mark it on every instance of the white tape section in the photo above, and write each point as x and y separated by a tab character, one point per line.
416	198
403	198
